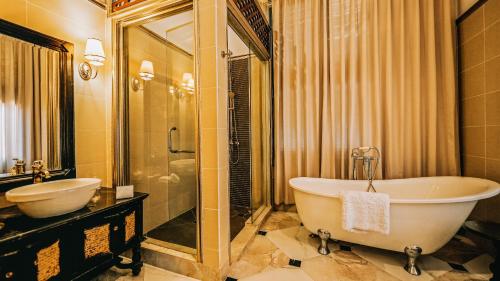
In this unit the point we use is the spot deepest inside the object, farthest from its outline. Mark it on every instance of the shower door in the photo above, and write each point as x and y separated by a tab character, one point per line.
161	125
249	132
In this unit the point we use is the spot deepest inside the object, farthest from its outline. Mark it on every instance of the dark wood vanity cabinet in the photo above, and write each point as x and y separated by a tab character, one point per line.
75	246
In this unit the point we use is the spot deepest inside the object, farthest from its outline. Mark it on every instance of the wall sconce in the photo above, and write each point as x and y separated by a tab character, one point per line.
188	82
94	53
146	71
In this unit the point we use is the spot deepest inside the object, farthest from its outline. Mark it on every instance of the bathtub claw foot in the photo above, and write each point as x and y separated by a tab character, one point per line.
412	252
324	236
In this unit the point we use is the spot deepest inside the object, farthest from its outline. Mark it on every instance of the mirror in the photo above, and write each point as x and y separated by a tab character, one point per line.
36	103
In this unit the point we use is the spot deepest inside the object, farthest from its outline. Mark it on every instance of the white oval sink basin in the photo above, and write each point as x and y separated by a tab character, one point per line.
43	200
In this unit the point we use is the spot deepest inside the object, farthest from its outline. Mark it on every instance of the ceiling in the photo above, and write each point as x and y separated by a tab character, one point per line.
235	44
177	29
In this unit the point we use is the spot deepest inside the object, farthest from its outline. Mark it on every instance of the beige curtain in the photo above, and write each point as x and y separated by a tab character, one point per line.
352	73
29	103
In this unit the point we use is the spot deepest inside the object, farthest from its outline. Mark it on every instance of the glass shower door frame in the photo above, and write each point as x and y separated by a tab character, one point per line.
120	106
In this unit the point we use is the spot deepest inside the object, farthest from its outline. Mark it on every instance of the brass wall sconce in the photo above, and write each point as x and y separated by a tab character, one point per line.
94	53
146	71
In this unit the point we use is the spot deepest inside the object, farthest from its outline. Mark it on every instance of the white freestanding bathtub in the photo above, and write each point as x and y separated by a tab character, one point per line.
425	212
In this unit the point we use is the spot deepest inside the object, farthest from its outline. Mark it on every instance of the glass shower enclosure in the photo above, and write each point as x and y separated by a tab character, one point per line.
161	107
249	131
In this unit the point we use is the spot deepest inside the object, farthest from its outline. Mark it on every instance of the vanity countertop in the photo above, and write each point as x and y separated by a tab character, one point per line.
18	225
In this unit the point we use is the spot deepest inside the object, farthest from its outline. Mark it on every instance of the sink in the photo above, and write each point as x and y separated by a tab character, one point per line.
43	200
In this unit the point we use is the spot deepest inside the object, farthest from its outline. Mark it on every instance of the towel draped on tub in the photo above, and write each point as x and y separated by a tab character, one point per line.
365	211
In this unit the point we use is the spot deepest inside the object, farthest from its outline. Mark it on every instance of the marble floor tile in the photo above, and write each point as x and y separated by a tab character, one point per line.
434	266
343	267
148	273
459	251
480	267
390	262
259	255
260	245
456	276
281	220
285	274
267	258
295	242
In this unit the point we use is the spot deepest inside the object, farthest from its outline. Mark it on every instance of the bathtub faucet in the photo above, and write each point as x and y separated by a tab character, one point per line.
369	157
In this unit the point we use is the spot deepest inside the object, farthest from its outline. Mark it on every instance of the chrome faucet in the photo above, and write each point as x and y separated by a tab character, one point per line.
19	167
39	172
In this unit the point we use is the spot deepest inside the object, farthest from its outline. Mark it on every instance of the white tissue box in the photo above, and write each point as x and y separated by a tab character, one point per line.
125	191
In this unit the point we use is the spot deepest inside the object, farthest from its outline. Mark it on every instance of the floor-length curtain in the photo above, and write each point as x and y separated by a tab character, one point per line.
29	103
352	73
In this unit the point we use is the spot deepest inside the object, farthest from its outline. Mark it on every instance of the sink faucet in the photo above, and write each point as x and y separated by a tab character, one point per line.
39	172
18	168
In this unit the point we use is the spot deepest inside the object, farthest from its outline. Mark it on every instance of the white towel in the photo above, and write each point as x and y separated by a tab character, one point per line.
365	211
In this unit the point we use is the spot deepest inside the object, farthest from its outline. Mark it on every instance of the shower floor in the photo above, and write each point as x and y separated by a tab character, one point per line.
180	230
238	218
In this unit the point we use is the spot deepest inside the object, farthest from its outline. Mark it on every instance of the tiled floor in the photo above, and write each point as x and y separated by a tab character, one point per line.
238	217
286	251
148	273
180	230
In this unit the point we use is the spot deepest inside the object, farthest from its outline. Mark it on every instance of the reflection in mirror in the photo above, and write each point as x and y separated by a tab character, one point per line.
29	105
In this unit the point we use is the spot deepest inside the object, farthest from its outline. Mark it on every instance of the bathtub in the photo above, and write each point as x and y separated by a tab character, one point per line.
425	212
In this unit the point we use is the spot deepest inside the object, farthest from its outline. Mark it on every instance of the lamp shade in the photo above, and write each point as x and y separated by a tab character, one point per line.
186	77
146	71
94	52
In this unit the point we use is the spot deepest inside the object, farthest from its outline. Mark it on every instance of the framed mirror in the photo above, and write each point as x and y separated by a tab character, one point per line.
36	105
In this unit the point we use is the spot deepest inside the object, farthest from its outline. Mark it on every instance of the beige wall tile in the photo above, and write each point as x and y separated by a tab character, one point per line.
493	109
208	67
222	148
473	111
207	18
209	148
13	11
472	52
90	112
491	11
210	233
209	108
91	170
224	189
209	192
493	169
474	166
59	26
472	82
493	142
492	41
211	257
80	12
222	105
472	25
88	146
492	74
473	141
